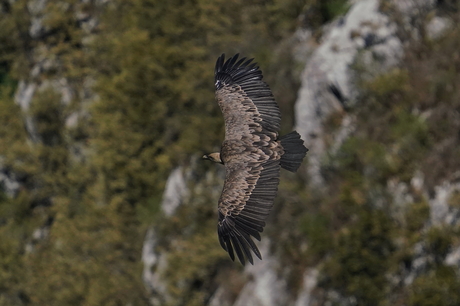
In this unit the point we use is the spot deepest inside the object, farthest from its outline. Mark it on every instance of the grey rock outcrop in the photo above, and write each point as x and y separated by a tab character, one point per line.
365	30
153	262
8	182
175	192
310	280
441	213
266	288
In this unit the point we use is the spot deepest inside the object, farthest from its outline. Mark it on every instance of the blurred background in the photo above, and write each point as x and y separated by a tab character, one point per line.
106	107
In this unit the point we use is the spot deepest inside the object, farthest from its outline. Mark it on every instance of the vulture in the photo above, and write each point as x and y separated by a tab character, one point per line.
252	153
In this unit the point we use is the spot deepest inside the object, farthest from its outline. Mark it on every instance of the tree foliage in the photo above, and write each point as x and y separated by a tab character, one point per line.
123	93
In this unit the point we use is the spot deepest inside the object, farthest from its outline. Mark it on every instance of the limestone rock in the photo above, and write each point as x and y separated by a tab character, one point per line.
364	29
266	288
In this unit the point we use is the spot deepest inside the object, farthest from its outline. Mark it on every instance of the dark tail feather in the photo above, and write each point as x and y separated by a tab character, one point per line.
294	151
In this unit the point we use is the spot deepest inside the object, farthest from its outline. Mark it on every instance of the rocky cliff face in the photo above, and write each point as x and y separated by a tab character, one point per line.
367	35
364	30
353	229
47	74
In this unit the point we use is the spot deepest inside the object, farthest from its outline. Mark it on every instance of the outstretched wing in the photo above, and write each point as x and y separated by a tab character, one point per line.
245	203
244	98
250	153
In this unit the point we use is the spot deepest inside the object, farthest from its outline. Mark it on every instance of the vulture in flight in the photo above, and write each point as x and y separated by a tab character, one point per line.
252	154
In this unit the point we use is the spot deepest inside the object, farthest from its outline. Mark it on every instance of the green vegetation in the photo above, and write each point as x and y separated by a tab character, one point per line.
363	235
120	102
438	287
362	255
123	93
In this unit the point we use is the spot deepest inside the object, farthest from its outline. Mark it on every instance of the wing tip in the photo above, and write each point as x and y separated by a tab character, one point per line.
236	240
219	63
232	68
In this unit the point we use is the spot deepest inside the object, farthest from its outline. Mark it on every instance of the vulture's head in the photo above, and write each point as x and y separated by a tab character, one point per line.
214	157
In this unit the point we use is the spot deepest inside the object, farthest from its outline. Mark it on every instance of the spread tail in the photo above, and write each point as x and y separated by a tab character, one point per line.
294	151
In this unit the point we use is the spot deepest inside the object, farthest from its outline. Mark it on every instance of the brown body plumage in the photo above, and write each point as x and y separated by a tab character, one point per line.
252	154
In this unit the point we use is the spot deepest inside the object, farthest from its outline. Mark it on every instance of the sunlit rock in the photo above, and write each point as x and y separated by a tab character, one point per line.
265	288
364	30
